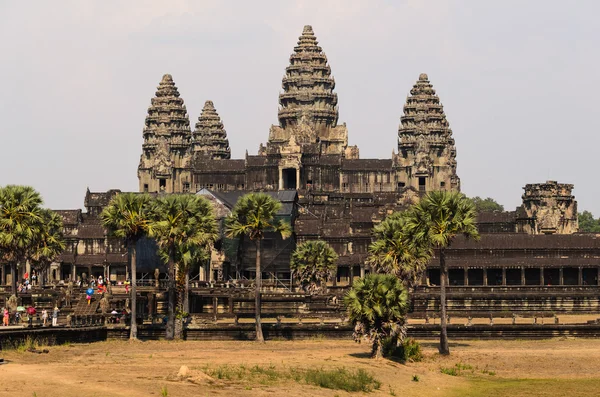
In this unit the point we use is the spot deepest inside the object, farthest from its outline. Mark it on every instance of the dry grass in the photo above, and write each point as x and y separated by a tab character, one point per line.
301	368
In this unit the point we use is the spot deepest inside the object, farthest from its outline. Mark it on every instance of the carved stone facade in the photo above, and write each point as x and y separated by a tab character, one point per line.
548	208
308	150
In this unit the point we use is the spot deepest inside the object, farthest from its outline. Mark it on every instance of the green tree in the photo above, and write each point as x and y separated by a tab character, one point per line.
438	218
396	251
587	222
377	305
50	244
313	263
21	226
127	217
254	215
487	204
180	222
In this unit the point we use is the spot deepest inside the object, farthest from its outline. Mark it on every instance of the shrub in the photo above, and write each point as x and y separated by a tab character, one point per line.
408	350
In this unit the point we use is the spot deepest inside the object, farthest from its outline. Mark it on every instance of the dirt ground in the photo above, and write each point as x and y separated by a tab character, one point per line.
569	367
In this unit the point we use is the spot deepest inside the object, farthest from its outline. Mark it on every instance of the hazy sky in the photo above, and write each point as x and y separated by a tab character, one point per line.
519	81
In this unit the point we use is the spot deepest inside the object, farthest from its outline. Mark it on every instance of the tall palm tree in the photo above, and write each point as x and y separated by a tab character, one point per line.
377	305
254	215
395	250
21	225
180	221
438	218
127	216
50	244
313	263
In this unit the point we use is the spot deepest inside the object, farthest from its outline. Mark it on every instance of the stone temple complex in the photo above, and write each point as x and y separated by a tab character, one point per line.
531	259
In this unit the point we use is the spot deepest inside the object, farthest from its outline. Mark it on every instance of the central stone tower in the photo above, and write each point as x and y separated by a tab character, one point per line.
308	112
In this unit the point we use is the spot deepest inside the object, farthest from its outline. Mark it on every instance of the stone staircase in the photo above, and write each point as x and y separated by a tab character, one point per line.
83	309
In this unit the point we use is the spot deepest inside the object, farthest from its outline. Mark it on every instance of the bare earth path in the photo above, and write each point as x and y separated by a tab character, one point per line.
489	368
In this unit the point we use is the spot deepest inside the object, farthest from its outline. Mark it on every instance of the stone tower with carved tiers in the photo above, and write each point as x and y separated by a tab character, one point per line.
166	156
308	112
210	137
426	153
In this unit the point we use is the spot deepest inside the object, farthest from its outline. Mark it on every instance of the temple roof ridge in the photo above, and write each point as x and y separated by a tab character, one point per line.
209	134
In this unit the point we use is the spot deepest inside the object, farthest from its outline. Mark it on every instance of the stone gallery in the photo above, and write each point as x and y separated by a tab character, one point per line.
530	259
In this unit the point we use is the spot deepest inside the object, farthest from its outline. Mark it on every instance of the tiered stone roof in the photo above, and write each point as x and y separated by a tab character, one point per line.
210	136
308	86
167	117
424	134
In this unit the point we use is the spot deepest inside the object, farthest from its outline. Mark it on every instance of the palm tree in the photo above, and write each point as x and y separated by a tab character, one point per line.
50	244
253	215
127	217
313	263
438	218
397	251
180	221
21	225
377	305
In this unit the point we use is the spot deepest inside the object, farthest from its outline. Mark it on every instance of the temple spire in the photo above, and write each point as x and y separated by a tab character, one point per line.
425	141
209	135
308	95
167	141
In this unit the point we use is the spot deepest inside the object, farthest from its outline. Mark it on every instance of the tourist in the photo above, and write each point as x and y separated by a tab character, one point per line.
33	277
126	286
45	317
89	299
26	277
100	280
5	317
55	316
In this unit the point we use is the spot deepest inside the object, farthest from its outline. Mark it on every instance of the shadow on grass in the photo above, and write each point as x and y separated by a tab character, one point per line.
360	355
435	345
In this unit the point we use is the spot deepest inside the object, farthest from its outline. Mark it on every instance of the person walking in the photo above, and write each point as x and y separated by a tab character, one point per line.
55	316
5	317
45	317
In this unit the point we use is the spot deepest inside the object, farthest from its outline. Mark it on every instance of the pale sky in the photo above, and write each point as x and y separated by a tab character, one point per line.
519	81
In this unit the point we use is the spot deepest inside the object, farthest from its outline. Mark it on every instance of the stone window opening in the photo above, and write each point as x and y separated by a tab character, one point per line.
442	184
162	184
145	188
421	183
186	187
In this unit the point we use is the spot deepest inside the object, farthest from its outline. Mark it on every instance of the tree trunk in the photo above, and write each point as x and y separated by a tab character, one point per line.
179	305
186	296
257	301
13	277
444	348
133	266
171	295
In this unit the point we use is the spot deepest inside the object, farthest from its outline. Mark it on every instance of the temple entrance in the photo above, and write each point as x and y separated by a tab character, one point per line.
289	178
422	184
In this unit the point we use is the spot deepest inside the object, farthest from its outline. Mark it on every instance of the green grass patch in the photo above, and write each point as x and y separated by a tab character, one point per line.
342	379
458	369
337	379
498	387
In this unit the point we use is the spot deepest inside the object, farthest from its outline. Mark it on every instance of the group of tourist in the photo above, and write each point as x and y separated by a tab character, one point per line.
16	316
